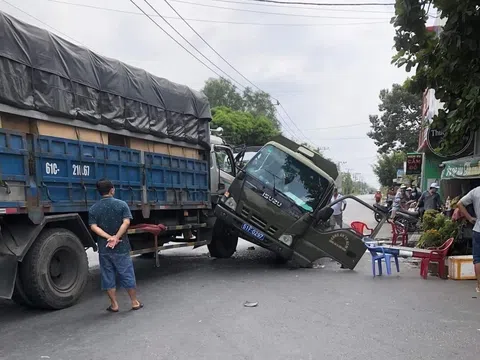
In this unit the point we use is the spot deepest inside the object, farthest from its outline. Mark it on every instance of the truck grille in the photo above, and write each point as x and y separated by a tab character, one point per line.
256	220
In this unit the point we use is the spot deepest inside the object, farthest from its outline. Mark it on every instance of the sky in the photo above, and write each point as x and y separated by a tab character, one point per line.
326	65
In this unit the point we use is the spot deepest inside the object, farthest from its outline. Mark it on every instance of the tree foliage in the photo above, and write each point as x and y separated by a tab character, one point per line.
448	63
398	127
240	127
386	167
221	92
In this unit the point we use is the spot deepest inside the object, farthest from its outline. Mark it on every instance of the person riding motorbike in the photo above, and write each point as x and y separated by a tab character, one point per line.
390	196
378	196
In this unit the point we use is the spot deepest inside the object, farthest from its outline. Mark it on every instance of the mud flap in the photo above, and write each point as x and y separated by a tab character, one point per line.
342	245
9	266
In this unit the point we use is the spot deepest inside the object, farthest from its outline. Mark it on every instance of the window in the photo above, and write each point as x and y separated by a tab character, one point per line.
295	180
224	162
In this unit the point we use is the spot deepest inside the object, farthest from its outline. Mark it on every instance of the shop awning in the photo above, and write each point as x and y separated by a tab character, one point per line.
462	168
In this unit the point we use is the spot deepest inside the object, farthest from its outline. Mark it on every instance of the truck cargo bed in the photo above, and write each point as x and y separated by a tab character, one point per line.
59	175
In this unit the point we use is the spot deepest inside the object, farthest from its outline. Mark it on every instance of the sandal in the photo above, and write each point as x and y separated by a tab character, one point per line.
111	309
140	305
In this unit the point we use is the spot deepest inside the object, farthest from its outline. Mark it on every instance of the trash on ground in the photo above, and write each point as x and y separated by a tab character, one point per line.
250	304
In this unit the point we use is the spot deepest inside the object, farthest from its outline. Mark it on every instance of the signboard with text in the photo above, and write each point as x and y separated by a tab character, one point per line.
435	138
414	164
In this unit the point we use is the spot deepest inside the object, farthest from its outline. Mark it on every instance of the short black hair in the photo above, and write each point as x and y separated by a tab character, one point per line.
104	186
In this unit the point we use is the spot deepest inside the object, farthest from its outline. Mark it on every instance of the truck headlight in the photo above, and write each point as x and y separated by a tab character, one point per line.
286	239
231	203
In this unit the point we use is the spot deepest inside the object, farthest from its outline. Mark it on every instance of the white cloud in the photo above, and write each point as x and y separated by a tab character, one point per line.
324	75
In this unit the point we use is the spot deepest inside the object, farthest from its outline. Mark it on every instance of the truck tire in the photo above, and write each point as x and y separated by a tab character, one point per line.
55	269
224	241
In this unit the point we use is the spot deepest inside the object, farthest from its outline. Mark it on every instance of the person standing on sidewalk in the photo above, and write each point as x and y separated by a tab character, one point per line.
109	219
473	198
338	209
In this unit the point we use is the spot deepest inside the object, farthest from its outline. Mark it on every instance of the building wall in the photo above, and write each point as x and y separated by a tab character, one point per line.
430	169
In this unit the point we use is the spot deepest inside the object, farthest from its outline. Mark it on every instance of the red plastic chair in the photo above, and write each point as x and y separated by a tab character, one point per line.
437	255
398	231
360	227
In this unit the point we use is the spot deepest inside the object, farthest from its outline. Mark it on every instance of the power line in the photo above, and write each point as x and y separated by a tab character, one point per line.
324	4
259	3
185	39
218	21
385	20
42	22
211	47
337	127
293	122
178	43
217	53
235	69
346	138
225	60
276	13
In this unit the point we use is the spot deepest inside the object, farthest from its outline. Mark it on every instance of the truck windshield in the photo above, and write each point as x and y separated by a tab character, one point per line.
282	172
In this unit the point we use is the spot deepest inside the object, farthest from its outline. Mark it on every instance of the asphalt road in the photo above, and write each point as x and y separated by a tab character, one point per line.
194	310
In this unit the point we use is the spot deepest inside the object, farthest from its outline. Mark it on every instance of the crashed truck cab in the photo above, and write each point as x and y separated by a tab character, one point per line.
279	201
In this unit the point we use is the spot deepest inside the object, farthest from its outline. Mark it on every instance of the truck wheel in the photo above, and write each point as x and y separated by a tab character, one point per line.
224	241
55	269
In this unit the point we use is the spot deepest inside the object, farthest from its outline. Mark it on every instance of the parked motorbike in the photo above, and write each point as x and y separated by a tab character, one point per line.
385	209
408	218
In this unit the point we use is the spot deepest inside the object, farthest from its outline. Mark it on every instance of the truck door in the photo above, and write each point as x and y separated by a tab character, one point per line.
342	245
226	165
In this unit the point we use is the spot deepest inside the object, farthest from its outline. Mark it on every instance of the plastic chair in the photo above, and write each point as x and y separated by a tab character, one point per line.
360	227
398	231
437	255
378	253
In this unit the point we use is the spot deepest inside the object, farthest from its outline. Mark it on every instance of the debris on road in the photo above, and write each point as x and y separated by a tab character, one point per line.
250	304
251	248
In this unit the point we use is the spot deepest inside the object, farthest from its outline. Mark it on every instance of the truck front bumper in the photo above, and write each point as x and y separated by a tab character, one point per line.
228	217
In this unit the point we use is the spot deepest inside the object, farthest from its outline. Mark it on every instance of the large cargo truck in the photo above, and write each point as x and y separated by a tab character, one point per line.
69	117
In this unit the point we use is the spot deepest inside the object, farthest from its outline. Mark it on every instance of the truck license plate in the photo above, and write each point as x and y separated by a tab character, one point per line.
252	231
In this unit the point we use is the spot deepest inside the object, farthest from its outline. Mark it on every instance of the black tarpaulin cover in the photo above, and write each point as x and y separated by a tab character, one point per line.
41	71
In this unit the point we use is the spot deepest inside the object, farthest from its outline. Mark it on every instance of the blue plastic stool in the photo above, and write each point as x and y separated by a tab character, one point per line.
378	254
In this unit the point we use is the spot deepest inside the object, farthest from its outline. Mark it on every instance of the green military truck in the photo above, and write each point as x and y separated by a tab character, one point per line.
280	201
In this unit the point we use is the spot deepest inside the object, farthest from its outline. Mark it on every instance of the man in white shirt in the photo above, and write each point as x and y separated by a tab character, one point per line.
473	197
338	209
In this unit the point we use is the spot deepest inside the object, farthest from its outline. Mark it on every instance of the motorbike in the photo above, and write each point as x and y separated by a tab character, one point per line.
410	218
385	209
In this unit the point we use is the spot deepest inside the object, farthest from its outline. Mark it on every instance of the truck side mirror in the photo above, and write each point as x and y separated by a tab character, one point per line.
323	214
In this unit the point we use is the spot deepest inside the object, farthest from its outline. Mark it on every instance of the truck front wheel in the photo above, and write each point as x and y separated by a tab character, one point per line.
55	270
224	241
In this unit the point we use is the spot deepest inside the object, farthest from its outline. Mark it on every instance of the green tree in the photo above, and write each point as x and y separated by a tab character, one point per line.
398	127
242	127
221	92
448	63
387	166
347	183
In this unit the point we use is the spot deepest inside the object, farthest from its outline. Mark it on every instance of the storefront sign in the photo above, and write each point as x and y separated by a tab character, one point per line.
435	138
414	164
461	170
